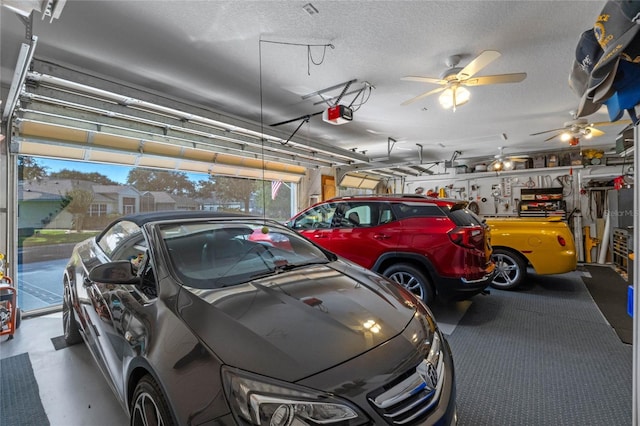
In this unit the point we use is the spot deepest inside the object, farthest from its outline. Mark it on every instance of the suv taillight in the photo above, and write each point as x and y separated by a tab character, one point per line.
468	236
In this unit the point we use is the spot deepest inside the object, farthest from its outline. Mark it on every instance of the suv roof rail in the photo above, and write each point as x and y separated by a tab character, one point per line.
421	196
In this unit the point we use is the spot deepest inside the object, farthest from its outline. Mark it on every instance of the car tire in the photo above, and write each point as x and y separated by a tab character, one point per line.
70	326
412	279
511	269
149	406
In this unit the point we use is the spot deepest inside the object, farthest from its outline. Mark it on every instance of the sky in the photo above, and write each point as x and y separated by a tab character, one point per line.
114	172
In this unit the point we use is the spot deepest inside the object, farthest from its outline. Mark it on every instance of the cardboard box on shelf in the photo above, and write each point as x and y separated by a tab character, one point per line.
552	160
576	159
539	161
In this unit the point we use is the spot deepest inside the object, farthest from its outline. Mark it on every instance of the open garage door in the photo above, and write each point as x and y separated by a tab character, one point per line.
58	114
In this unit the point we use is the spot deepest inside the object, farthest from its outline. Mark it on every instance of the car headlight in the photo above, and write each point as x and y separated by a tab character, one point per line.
259	400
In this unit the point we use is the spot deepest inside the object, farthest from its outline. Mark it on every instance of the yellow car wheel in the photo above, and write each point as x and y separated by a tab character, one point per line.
511	269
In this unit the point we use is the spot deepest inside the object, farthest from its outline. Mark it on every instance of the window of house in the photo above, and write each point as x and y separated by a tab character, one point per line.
97	209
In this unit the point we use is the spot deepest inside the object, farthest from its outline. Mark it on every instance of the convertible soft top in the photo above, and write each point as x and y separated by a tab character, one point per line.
142	218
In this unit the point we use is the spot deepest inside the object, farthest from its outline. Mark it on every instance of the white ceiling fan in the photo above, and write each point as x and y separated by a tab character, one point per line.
453	81
578	128
503	162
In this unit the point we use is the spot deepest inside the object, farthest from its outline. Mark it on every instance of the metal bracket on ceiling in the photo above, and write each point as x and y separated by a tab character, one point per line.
391	142
346	84
448	164
335	99
28	25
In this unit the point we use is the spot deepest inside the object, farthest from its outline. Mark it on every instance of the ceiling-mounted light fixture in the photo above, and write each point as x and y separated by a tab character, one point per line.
565	136
454	96
587	133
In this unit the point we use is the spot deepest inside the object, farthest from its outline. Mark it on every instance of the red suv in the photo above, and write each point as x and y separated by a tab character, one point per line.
433	247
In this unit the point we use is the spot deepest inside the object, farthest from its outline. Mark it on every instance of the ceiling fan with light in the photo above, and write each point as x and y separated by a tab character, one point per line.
578	128
453	81
503	162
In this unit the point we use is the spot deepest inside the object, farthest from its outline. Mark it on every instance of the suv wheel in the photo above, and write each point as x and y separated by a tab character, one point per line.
412	279
511	269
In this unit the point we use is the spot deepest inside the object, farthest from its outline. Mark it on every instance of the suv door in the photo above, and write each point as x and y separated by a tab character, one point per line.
315	223
364	231
358	231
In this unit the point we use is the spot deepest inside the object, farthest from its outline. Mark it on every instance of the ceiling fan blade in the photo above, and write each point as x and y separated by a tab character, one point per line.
609	123
495	79
595	132
481	61
547	131
424	79
424	95
553	137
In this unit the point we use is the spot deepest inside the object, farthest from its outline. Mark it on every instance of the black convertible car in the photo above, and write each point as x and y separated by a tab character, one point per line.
203	318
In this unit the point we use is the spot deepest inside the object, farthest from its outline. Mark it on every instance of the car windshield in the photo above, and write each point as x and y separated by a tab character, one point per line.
214	254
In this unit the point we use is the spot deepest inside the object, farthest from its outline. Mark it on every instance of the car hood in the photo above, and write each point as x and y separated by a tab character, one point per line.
297	323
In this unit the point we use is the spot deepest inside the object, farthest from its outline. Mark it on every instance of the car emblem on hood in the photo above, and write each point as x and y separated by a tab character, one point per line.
428	373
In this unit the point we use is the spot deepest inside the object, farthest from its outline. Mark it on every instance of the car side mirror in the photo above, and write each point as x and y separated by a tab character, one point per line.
118	272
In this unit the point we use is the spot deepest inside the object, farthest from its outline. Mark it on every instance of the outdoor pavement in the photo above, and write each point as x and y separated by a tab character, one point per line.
39	277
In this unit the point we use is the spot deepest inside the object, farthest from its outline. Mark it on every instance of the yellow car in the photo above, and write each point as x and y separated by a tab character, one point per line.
546	244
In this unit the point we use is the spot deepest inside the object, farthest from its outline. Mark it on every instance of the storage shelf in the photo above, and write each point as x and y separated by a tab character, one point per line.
620	249
542	202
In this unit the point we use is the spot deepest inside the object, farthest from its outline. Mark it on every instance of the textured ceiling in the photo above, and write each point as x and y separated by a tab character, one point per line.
251	59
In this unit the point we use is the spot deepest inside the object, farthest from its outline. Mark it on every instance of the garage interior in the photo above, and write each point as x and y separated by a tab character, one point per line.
343	98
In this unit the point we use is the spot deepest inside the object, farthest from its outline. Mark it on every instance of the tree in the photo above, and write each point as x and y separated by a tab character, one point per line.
176	183
234	189
94	177
280	208
78	202
205	189
29	169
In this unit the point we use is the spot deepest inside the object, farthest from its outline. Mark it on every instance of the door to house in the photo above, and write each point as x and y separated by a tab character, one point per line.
328	187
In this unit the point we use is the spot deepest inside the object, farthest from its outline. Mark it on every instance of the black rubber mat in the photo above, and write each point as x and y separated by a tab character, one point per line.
59	342
20	402
609	291
543	355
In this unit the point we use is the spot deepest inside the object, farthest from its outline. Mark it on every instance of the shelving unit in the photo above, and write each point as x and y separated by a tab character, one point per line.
542	202
622	245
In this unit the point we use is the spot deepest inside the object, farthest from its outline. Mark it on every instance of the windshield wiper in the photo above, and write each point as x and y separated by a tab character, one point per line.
291	266
285	267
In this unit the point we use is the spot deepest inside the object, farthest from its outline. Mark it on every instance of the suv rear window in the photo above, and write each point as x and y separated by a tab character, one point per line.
464	217
406	210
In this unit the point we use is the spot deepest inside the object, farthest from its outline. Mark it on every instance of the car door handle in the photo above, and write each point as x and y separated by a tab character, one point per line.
381	236
320	235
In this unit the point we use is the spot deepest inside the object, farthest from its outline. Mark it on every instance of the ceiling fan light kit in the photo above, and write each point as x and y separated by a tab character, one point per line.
579	128
454	96
502	163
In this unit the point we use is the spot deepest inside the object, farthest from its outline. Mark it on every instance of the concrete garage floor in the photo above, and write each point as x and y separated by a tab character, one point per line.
538	356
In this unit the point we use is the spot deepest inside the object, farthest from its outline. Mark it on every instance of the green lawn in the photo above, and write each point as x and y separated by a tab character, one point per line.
43	237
